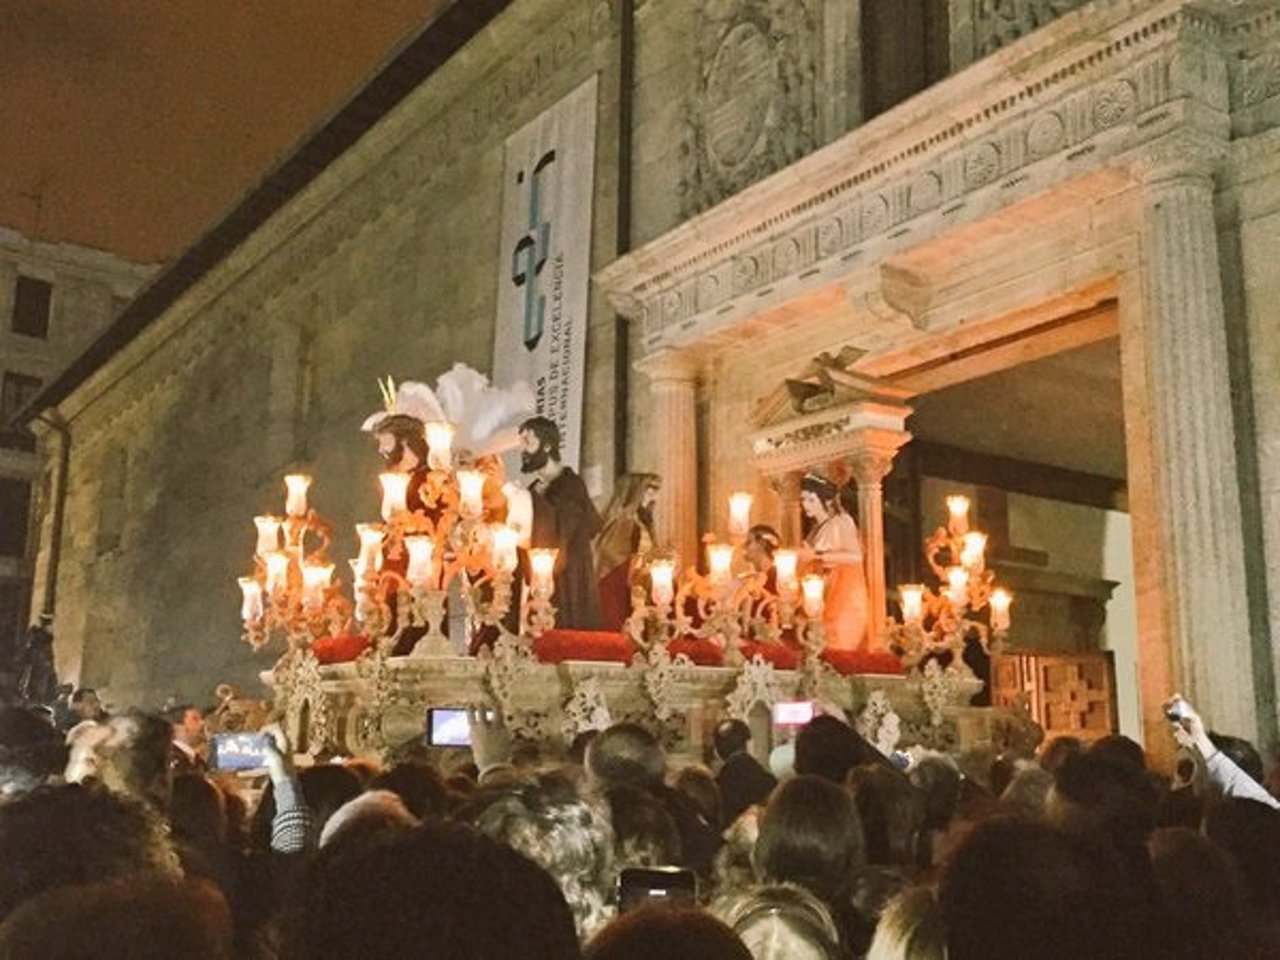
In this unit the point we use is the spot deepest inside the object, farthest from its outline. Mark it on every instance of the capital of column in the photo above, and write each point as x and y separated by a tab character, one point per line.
872	455
669	365
1179	157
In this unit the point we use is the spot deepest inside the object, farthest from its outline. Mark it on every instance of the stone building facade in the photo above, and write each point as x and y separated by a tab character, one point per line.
910	187
55	299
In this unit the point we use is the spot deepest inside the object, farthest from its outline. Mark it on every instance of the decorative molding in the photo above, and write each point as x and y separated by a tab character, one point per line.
1085	105
756	108
757	682
998	23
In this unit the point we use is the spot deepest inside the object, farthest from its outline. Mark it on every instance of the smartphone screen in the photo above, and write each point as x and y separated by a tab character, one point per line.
641	885
793	713
448	727
239	751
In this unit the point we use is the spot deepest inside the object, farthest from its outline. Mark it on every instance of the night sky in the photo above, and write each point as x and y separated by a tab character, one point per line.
132	125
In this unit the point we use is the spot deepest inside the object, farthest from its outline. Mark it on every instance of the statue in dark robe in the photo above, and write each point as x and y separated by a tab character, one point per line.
564	518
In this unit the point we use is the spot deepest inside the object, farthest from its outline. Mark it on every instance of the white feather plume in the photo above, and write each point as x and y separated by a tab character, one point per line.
412	399
485	417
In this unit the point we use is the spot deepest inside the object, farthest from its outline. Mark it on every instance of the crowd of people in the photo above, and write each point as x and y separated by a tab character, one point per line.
117	839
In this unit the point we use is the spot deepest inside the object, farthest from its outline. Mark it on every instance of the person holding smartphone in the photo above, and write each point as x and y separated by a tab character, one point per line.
1225	776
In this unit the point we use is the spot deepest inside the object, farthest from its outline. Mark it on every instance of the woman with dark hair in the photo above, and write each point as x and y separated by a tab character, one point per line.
810	835
834	543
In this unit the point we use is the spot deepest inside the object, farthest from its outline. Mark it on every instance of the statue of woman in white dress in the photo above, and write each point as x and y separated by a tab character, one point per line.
835	545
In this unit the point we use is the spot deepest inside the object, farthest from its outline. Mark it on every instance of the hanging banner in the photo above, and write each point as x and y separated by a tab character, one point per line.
544	263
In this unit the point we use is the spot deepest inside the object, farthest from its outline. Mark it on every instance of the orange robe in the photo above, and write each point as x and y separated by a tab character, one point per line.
844	614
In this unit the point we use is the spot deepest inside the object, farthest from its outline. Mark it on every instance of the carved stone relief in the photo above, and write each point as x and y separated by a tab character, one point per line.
755	109
997	23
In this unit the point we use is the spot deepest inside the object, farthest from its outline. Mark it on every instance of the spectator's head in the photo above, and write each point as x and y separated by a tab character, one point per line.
31	751
699	785
418	785
443	888
1204	907
782	921
730	737
891	811
74	835
626	754
645	833
366	816
1250	832
829	748
139	918
198	811
672	933
567	836
1027	793
85	704
187	723
937	778
1054	753
134	759
1121	750
910	928
1021	888
325	788
1097	798
1242	753
810	835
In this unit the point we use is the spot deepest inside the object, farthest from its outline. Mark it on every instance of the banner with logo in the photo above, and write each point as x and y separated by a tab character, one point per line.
544	262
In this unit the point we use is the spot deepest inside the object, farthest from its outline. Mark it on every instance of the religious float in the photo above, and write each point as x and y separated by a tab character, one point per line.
447	571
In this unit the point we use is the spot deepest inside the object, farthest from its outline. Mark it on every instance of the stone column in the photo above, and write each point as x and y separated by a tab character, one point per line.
673	387
787	486
871	460
1186	508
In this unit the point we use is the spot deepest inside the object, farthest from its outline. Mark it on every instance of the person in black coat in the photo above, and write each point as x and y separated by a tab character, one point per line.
743	781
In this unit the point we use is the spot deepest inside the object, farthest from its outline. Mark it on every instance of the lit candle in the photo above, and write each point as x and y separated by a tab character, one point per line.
439	445
470	494
277	571
739	514
720	562
1000	599
268	535
251	607
315	581
295	502
422	551
370	535
813	586
662	577
958	586
395	493
912	597
971	554
958	507
542	566
505	540
784	562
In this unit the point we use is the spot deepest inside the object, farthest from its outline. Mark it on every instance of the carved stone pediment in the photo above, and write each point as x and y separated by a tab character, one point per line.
839	431
825	383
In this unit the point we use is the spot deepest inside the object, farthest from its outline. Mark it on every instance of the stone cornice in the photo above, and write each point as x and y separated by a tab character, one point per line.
1050	96
825	435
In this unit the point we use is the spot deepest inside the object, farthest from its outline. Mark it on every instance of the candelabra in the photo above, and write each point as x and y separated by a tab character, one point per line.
940	623
731	603
291	595
407	567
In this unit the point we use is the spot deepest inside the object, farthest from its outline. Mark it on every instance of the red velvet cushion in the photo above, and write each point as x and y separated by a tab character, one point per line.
846	662
556	646
703	653
341	649
780	655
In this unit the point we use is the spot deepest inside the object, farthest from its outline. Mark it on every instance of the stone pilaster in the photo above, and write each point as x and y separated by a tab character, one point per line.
871	461
787	486
673	387
1188	525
